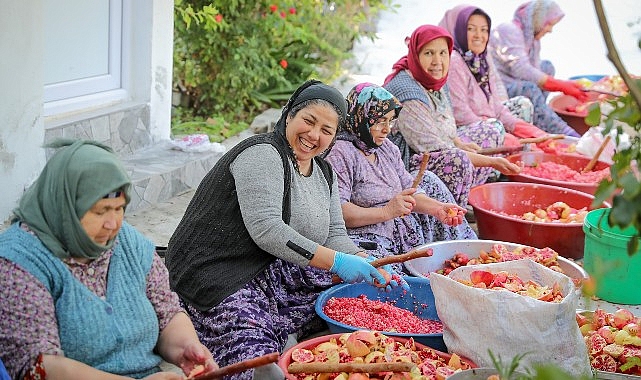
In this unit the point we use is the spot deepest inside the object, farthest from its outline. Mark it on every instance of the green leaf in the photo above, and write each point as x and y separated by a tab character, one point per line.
594	115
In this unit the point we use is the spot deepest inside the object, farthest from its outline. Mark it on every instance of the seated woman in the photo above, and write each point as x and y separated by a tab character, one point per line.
264	233
85	295
378	201
473	82
515	48
426	122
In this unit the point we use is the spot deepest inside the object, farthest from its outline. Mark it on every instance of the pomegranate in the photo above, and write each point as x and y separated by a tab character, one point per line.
604	362
622	317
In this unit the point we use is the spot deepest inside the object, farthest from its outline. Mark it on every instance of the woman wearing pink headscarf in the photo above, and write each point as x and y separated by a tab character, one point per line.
426	123
515	48
475	87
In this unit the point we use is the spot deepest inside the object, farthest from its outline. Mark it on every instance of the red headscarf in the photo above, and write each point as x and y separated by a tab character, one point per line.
421	36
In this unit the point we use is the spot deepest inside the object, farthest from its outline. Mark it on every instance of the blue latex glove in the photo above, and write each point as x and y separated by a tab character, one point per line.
352	268
394	283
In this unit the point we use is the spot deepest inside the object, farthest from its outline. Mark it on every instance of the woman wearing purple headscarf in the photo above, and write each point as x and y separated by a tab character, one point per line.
377	198
515	48
475	87
426	123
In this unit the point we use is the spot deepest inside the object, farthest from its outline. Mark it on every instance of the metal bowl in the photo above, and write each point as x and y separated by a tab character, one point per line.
444	250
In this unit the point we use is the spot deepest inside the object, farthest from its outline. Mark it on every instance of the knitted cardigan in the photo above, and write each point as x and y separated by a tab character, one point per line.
212	242
116	334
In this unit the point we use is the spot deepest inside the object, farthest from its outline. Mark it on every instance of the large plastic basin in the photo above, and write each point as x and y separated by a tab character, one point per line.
420	293
573	161
444	250
573	111
286	357
517	198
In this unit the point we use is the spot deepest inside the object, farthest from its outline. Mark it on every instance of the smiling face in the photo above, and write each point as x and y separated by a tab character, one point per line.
104	219
478	32
434	58
311	131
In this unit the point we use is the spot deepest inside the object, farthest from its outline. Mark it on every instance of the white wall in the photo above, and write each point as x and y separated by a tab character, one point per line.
149	49
21	124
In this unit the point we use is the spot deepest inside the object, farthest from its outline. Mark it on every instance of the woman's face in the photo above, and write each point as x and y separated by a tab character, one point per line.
311	131
478	32
104	219
434	58
382	127
547	28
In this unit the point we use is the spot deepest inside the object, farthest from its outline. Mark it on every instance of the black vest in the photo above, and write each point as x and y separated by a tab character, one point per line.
211	254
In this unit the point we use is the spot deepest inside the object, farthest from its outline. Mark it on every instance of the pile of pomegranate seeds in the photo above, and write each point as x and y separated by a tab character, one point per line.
560	172
369	314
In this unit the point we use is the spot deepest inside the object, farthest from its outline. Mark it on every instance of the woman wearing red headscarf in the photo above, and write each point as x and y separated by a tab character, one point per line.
426	124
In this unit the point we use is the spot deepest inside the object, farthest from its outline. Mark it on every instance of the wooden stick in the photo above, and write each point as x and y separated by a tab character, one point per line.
324	367
239	367
500	150
413	254
421	170
535	140
593	161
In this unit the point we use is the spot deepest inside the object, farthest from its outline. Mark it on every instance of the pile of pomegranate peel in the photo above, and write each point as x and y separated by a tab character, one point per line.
503	280
500	253
364	346
613	340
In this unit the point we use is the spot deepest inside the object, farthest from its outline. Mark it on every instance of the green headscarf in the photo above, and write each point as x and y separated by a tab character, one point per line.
78	175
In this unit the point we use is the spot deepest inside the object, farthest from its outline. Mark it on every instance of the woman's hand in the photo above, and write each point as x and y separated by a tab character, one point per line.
504	166
402	204
450	214
194	354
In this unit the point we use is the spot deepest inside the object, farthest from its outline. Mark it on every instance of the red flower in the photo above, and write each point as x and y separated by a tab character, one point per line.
273	8
292	11
219	18
283	63
283	14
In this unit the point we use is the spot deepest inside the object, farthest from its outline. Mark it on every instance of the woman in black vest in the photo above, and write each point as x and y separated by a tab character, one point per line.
263	234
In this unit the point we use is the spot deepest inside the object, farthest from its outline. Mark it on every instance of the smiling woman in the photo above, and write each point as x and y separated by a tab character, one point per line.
263	235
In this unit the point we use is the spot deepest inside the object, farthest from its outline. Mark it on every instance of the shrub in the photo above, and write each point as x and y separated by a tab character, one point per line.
234	58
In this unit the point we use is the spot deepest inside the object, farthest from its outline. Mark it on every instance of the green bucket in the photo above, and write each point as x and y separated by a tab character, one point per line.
616	274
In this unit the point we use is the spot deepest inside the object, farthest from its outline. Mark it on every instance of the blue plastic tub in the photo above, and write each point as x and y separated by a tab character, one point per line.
591	77
420	293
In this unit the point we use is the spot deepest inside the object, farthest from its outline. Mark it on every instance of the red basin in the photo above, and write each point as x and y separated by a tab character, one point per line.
517	198
572	161
573	111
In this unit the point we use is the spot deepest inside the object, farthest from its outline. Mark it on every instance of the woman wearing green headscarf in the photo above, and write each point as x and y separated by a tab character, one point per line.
85	295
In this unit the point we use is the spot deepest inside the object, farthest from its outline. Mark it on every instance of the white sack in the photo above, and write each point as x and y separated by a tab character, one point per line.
475	319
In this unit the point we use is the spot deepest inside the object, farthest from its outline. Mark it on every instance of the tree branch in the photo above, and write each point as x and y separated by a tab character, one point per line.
613	55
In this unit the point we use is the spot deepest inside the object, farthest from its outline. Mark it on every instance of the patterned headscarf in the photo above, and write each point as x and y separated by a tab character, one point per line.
310	90
455	21
421	36
77	176
366	104
532	16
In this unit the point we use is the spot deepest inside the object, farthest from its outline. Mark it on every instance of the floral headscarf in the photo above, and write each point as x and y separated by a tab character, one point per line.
532	16
366	103
455	21
421	36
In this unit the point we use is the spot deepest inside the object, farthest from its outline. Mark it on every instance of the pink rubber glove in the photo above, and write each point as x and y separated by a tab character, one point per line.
565	86
525	130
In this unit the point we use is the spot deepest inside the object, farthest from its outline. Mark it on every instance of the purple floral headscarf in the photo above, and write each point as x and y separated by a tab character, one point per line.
366	103
532	16
455	21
